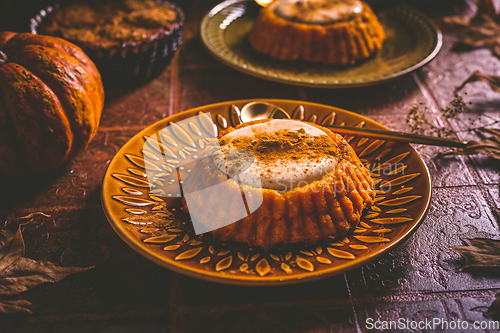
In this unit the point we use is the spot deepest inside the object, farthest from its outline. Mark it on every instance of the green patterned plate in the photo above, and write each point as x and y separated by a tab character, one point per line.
412	41
160	231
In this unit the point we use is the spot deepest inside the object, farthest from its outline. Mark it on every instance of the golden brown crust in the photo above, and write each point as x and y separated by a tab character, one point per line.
339	43
102	25
328	207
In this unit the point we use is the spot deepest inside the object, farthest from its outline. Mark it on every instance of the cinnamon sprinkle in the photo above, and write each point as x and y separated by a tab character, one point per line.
274	148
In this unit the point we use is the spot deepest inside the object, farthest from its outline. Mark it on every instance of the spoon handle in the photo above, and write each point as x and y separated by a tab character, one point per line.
397	136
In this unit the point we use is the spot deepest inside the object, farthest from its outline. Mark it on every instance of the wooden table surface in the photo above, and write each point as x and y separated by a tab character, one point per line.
127	293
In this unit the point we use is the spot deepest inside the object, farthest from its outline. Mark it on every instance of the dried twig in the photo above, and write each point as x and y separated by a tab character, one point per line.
493	81
481	30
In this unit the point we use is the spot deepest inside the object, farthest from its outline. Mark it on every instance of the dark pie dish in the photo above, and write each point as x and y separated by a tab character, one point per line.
130	41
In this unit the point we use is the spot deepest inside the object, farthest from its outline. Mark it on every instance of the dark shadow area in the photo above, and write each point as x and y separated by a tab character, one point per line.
19	190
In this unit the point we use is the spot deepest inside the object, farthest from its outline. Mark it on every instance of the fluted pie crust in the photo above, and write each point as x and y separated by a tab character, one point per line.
338	43
327	207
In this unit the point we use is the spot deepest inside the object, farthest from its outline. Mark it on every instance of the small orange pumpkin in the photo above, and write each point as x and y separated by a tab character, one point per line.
51	99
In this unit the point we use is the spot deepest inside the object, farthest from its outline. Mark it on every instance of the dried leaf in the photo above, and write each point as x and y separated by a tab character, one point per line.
482	30
493	81
489	146
494	309
481	252
18	274
15	305
496	210
417	120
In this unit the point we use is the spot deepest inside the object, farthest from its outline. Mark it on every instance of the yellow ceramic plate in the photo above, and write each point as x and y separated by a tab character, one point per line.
412	41
161	232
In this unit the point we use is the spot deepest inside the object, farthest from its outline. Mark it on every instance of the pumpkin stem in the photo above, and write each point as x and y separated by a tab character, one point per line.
3	58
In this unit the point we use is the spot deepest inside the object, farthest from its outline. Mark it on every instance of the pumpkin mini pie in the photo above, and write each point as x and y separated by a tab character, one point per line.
130	41
311	183
336	32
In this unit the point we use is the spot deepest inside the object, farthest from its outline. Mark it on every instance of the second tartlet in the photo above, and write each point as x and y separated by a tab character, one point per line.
336	32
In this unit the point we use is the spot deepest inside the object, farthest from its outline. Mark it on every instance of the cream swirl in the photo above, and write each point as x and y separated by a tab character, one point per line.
279	154
318	11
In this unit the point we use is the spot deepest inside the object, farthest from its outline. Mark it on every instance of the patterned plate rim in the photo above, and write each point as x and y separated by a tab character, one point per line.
296	80
121	228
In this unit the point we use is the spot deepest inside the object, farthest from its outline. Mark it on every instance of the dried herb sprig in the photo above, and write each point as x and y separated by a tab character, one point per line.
416	118
490	146
456	107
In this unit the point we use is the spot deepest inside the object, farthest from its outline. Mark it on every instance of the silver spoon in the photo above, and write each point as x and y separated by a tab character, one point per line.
262	110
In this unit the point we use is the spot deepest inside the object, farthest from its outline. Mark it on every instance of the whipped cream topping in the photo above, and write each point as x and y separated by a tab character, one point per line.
318	11
278	154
